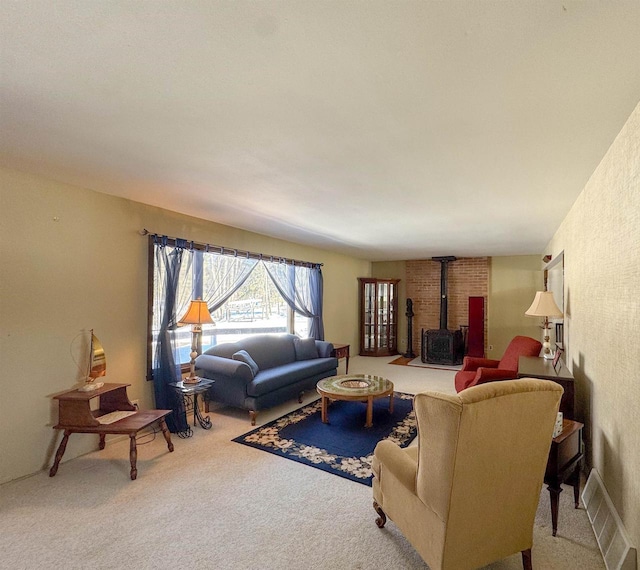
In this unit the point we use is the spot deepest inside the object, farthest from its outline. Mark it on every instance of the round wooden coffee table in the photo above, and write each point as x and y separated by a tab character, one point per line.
358	387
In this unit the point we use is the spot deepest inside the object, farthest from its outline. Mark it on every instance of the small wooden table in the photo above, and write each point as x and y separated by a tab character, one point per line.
75	416
354	387
342	351
564	466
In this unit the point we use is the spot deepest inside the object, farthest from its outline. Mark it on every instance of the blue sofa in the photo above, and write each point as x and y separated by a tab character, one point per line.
263	370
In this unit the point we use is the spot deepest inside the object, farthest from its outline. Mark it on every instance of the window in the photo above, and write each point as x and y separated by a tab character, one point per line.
245	293
256	307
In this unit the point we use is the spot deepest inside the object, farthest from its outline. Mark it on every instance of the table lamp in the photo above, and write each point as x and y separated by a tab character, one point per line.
196	315
544	306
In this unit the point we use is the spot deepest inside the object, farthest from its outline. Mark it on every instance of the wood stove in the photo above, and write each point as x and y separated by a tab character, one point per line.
442	346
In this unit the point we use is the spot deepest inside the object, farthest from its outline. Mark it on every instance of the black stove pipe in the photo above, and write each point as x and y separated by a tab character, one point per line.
444	302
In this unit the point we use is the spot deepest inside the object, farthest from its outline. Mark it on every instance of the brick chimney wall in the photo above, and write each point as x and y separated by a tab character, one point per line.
467	276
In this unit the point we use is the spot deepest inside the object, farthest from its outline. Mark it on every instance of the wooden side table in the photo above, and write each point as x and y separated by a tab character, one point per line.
75	416
564	466
341	351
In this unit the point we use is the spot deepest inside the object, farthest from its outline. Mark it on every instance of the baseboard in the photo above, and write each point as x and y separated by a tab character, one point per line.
614	543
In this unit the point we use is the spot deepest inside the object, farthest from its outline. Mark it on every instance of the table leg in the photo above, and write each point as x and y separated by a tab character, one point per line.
204	421
167	435
369	421
133	456
346	371
60	453
391	403
554	496
102	440
324	410
526	559
575	482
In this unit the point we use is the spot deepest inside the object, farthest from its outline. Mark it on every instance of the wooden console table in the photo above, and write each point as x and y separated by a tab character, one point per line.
537	367
76	416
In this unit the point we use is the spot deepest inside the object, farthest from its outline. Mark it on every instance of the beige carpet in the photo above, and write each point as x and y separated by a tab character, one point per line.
217	504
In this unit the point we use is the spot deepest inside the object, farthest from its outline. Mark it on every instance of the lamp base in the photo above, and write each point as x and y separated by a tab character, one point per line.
191	380
548	356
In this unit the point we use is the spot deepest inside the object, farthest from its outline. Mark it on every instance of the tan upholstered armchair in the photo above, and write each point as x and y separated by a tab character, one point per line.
467	495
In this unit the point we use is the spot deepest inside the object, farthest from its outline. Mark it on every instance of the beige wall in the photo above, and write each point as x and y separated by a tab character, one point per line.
513	282
601	241
73	260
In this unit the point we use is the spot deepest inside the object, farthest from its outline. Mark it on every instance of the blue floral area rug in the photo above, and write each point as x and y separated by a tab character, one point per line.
344	446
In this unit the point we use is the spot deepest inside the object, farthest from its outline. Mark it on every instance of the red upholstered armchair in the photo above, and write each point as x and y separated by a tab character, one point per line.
480	370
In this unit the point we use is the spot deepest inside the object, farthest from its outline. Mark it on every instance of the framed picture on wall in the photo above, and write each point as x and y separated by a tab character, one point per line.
556	358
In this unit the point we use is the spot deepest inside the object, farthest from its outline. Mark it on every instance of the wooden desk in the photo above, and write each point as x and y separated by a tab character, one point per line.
341	351
75	416
537	367
564	466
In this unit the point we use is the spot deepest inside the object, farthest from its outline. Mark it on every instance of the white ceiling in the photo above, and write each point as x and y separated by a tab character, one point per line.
381	129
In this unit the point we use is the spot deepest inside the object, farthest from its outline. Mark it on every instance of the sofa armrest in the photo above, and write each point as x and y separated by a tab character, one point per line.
324	348
397	461
216	365
471	363
490	374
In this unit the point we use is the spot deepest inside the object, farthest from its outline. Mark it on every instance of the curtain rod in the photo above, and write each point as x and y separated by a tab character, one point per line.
232	251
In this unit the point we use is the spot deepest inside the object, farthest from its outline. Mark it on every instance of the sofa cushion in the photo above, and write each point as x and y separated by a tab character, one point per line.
243	356
216	367
224	350
305	348
274	378
269	350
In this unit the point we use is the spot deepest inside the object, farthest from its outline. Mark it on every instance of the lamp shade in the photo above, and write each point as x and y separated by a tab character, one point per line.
543	306
196	314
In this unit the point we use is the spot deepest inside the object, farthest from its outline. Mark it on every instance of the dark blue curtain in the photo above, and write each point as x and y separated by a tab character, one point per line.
301	288
169	302
316	287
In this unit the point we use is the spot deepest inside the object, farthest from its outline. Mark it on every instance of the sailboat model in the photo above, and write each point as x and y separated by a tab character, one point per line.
97	365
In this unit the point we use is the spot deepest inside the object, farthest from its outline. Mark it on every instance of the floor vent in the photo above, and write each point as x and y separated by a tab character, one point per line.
614	543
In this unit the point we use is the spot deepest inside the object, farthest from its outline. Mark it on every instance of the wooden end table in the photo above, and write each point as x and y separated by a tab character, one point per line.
75	416
342	351
564	466
354	387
